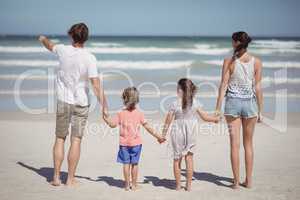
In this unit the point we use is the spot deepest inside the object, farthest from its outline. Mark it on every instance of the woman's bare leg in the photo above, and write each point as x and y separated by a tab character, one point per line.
177	172
234	125
248	130
189	170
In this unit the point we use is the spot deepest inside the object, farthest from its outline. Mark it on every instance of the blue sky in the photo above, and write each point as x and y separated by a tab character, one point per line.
152	17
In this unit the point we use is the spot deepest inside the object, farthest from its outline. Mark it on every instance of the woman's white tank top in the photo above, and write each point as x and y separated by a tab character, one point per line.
242	81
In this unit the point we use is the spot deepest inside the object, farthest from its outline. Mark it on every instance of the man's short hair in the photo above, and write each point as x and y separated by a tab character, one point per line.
79	33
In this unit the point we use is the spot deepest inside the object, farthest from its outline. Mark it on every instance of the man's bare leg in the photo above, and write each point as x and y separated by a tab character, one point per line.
73	158
58	157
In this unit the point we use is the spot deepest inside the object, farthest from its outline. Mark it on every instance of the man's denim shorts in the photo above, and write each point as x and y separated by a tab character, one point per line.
238	107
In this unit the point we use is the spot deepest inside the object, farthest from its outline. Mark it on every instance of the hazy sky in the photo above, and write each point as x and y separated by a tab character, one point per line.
152	17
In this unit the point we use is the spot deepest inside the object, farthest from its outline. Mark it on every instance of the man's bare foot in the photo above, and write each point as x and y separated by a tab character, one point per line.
72	183
188	188
56	182
178	187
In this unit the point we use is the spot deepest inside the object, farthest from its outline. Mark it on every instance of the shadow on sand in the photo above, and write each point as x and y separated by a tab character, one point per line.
47	173
212	178
157	182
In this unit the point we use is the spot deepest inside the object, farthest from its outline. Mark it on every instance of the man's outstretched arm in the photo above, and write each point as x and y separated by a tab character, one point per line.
46	42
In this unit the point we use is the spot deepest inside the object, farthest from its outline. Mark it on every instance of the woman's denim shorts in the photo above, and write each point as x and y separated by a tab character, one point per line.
238	107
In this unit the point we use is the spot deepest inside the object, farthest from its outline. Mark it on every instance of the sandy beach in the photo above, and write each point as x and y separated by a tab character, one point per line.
26	164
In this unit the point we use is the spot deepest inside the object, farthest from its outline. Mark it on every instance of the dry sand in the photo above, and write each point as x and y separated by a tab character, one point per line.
26	164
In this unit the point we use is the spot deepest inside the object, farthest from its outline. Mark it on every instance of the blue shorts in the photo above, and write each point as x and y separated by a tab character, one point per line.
129	155
238	107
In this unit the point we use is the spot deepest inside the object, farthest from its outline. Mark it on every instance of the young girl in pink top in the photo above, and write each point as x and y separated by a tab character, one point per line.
129	120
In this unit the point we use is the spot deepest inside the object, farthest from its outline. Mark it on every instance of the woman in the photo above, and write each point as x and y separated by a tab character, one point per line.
241	84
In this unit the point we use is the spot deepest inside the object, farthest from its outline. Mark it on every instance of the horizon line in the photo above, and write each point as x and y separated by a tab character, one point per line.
127	35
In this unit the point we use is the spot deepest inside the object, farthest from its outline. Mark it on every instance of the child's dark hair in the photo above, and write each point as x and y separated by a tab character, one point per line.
79	33
130	98
244	40
189	90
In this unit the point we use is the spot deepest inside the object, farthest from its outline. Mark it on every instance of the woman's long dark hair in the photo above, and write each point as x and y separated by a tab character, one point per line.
189	90
244	40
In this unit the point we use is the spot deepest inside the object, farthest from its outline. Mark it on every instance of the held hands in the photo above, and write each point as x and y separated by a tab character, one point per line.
217	116
259	118
161	139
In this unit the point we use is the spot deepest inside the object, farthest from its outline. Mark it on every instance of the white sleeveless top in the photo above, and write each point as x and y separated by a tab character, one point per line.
241	82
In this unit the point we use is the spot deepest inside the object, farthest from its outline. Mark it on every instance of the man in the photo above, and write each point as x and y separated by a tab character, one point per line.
76	68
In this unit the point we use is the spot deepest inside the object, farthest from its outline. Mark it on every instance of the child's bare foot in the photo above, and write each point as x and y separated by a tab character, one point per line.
72	183
135	187
127	187
56	181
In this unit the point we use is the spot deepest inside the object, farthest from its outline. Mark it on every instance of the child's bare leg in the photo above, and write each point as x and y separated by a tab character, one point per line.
58	157
189	170
126	173
177	172
73	158
134	175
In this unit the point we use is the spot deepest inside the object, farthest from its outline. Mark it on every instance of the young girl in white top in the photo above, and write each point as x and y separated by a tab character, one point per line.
184	111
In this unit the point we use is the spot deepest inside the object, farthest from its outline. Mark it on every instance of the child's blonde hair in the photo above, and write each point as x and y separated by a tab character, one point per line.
130	97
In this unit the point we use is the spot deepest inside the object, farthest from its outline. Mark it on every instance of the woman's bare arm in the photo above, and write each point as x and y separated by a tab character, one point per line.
258	90
224	83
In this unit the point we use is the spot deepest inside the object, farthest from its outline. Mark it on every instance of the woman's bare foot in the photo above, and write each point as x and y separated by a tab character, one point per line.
178	187
56	181
247	184
72	183
235	186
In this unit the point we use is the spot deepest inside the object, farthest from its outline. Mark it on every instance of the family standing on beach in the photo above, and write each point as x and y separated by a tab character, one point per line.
240	84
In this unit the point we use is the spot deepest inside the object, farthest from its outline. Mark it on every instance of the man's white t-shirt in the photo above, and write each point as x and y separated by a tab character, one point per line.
76	66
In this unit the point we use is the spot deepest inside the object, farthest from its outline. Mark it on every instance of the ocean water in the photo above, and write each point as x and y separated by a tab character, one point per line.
152	64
